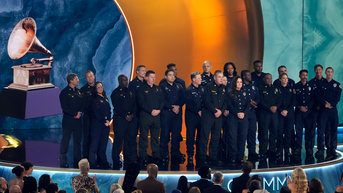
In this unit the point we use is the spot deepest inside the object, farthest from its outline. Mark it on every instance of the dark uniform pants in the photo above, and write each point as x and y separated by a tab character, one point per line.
213	125
152	124
284	131
193	122
328	122
267	121
304	119
236	137
124	130
172	123
99	137
86	134
251	138
71	125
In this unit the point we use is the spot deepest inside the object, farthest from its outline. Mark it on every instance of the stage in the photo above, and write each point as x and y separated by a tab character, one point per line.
41	147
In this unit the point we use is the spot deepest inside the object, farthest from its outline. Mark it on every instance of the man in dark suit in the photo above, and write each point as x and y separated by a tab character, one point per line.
218	180
205	174
239	183
151	184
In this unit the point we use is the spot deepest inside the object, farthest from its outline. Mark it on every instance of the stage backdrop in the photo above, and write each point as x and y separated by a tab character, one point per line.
85	35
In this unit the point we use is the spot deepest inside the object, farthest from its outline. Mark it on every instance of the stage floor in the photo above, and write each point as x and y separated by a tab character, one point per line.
42	147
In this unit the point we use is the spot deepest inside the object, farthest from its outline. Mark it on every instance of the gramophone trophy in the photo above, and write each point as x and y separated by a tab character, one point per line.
29	76
31	94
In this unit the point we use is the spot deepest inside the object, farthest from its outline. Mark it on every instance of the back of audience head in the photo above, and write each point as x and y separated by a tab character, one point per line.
205	172
218	177
62	191
285	189
254	177
137	191
247	167
152	170
114	187
43	181
18	171
182	185
119	191
254	185
30	185
316	186
14	189
28	166
84	165
299	179
51	188
194	190
82	190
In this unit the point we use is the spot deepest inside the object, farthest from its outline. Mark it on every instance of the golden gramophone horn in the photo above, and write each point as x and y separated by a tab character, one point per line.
23	39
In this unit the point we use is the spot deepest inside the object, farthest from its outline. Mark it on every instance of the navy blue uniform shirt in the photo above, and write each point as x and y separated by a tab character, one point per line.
87	92
257	80
173	94
287	98
194	96
330	92
269	96
101	109
124	102
215	97
150	98
304	95
315	84
135	84
71	101
252	92
206	79
239	103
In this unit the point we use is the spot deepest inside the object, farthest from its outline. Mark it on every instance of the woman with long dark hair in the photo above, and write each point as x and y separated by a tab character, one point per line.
236	135
100	127
43	182
230	72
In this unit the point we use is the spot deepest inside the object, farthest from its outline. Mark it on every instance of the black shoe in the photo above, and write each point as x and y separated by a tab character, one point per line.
190	163
319	155
64	165
330	155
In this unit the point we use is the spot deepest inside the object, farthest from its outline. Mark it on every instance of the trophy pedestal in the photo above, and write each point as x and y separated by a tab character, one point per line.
25	78
30	104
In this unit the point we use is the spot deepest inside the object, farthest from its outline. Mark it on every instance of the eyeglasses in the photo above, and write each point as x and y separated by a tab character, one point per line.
98	87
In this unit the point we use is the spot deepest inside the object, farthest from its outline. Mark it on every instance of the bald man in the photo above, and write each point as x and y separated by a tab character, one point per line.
3	184
15	189
206	76
151	184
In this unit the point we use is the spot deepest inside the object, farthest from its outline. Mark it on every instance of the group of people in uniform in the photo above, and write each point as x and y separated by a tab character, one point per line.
223	112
